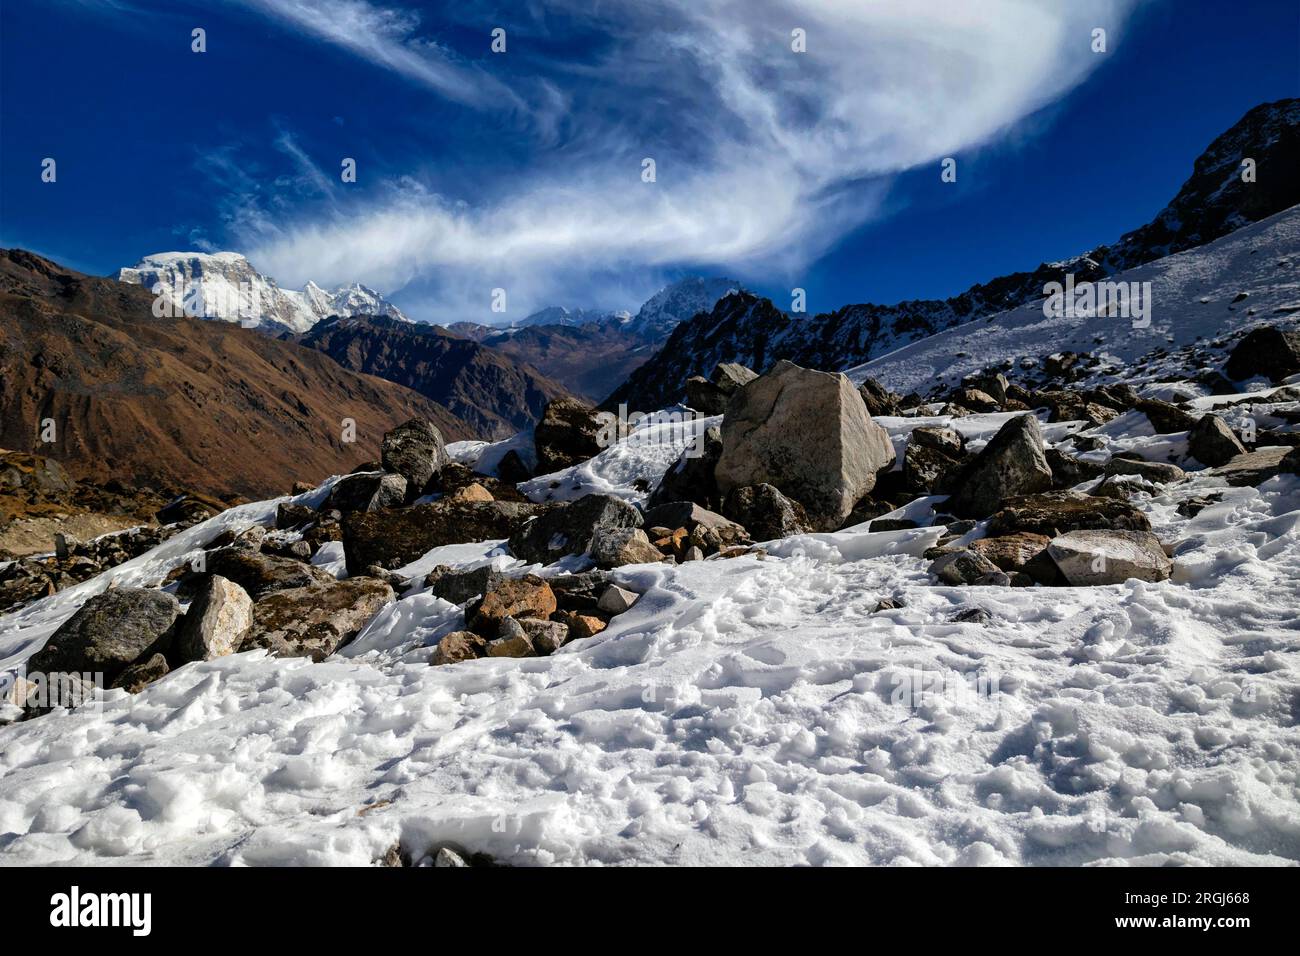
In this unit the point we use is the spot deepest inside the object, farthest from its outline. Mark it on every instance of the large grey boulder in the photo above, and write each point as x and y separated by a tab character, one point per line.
1266	350
1212	442
392	539
216	622
108	633
808	434
369	491
315	621
766	513
415	450
1109	557
616	547
261	574
1013	463
571	527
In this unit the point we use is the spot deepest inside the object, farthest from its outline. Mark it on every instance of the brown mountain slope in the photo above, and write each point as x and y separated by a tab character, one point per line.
177	403
495	394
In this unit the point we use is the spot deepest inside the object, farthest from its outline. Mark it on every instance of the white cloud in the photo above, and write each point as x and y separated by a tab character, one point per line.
765	157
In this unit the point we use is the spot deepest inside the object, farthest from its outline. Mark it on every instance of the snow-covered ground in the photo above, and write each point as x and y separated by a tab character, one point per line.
754	710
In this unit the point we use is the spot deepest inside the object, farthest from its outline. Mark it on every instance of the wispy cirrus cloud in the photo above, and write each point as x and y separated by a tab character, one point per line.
766	157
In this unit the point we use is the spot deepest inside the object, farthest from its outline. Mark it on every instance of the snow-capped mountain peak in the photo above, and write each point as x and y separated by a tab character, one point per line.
225	286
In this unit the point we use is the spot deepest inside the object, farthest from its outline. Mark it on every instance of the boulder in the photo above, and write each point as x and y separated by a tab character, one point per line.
765	513
571	527
1012	463
1109	557
808	434
616	547
289	515
962	567
1056	512
1154	471
571	432
189	509
689	515
1256	467
461	587
512	641
315	621
369	491
546	636
261	574
1212	442
993	384
459	646
691	477
1068	471
216	622
878	399
579	592
929	471
529	596
974	399
471	492
583	624
108	633
1268	351
1011	552
415	450
616	600
1165	418
392	539
138	676
946	440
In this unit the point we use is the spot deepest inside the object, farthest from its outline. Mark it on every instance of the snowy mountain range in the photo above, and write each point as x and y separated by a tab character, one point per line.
225	286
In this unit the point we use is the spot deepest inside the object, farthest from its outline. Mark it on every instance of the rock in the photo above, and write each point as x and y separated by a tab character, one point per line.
529	596
570	528
571	432
243	539
446	857
1057	512
878	399
397	582
289	515
994	579
975	399
64	545
705	397
1011	552
459	646
1212	442
392	539
691	477
1109	557
190	509
415	450
616	547
512	641
693	553
583	624
888	604
219	617
1154	471
367	492
1256	467
865	510
971	615
512	469
928	470
461	587
471	492
547	637
1165	418
946	440
994	384
1012	463
892	524
1268	351
616	600
1069	406
262	574
806	433
301	488
1068	471
137	677
689	515
315	621
579	592
962	567
108	633
765	513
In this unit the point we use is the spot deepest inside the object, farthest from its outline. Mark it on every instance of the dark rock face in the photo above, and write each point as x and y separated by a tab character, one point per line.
1165	418
137	677
878	399
691	477
109	632
929	471
1068	471
1013	463
460	587
569	528
1268	351
766	513
571	432
367	492
315	621
1057	512
391	539
415	450
262	574
1153	471
711	395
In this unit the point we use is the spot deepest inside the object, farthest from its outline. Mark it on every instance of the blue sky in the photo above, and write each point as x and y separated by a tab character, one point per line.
522	170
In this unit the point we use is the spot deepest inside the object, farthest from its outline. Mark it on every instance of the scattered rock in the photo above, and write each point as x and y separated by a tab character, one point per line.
511	641
806	433
108	633
579	592
1056	512
315	621
218	618
1165	418
583	624
616	547
1068	471
878	399
471	492
289	515
459	646
392	539
710	396
765	513
529	596
446	857
1212	442
1011	552
461	587
1012	463
1256	467
1154	471
547	636
946	440
1109	557
971	615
